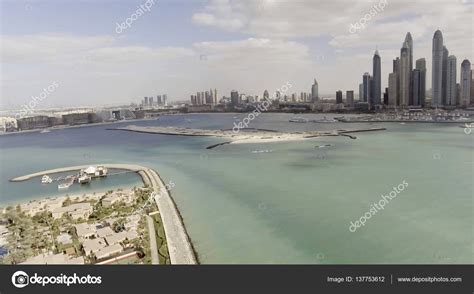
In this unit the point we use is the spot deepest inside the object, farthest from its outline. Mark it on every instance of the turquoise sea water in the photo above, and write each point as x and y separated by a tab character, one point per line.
291	205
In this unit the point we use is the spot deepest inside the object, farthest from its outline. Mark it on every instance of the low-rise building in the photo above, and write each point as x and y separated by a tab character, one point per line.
115	197
60	258
76	211
122	236
108	251
104	232
93	245
85	231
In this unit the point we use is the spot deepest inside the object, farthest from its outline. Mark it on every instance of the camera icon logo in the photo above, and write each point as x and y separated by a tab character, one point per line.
20	279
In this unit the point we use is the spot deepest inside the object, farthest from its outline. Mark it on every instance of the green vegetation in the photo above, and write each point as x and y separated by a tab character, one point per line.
162	246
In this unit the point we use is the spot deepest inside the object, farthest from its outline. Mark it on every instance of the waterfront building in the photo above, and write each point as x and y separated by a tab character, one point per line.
385	97
458	94
211	97
339	97
393	89
416	81
216	99
472	89
444	82
437	69
235	98
421	66
145	101
377	82
198	98
266	95
367	87
405	75
314	92
165	100
451	81
150	100
350	98
396	70
466	80
409	42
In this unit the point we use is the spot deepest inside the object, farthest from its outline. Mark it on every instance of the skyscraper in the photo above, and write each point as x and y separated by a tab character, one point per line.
451	81
367	87
339	97
234	98
437	69
361	92
444	82
466	81
405	75
266	95
198	98
216	99
350	98
314	92
409	42
392	89
416	91
421	66
396	71
377	82
211	94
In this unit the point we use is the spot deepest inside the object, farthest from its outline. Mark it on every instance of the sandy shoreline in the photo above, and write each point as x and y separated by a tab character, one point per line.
179	245
242	137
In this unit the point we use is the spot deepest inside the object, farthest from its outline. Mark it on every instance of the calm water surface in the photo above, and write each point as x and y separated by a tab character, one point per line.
291	205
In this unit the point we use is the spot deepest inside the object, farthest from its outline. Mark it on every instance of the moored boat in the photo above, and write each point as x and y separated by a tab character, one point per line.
46	180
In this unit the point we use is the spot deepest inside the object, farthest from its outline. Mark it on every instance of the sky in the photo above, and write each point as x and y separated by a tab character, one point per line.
179	47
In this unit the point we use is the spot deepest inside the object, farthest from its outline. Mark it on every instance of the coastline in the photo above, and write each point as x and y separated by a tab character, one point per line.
179	244
62	127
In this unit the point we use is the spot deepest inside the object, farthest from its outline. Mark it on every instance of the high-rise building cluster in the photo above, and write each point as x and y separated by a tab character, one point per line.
407	84
161	100
205	98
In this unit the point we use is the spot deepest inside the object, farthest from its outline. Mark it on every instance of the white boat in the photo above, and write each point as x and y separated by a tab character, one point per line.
298	120
46	180
262	151
84	179
324	120
45	131
65	185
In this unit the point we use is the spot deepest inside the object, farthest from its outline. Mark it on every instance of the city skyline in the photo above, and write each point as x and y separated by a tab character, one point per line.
217	51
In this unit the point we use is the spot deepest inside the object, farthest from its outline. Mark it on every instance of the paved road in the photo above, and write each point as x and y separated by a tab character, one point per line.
153	247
